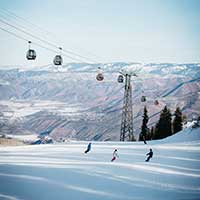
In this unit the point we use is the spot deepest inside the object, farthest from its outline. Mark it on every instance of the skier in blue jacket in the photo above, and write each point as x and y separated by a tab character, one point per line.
88	147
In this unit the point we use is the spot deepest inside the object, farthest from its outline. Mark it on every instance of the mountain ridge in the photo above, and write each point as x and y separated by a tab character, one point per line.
35	100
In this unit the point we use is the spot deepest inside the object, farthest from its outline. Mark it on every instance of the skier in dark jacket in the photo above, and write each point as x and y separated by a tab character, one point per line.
88	147
150	155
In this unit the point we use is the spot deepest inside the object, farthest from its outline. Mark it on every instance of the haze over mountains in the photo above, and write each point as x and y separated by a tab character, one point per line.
69	102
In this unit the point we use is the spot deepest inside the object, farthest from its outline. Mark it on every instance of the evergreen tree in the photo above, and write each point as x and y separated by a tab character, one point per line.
164	126
178	121
144	128
155	135
151	133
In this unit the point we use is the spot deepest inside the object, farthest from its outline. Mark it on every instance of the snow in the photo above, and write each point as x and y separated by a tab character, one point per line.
63	171
163	69
22	108
24	138
186	135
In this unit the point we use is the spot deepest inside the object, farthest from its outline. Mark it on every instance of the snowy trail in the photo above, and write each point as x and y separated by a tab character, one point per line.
65	172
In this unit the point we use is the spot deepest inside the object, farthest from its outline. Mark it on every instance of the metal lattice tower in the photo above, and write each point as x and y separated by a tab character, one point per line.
126	132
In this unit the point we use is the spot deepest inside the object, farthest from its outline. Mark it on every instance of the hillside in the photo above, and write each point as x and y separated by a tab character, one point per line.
63	171
70	103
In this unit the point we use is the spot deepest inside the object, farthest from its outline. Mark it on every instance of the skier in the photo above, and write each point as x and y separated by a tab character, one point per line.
88	147
150	155
115	155
144	139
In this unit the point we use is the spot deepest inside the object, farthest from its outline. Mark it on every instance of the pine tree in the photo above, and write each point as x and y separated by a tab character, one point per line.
178	121
164	126
156	133
144	128
151	133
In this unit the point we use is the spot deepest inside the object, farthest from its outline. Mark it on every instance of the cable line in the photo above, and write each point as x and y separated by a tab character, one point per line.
22	38
42	40
55	46
49	49
19	18
11	14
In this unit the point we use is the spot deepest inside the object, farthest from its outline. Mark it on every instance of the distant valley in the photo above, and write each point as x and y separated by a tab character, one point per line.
69	101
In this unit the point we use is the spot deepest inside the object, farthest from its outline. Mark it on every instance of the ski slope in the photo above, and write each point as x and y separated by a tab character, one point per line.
63	171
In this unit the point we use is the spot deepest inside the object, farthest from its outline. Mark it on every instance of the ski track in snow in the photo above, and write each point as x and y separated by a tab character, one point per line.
8	197
63	171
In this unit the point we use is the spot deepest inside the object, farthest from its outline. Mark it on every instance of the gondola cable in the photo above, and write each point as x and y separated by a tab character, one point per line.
37	44
38	38
19	18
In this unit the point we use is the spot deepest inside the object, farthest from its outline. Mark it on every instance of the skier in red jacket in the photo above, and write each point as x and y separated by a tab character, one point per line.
115	155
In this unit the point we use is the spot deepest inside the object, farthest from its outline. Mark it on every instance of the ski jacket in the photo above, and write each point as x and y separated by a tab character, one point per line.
89	146
115	154
150	154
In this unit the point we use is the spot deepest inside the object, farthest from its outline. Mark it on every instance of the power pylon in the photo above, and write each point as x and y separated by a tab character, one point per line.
126	133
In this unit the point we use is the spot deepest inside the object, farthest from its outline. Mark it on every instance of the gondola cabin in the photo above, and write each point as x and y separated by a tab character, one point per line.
99	77
31	54
58	60
120	79
156	102
143	99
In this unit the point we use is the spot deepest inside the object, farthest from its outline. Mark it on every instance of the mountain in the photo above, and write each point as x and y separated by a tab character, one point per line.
69	102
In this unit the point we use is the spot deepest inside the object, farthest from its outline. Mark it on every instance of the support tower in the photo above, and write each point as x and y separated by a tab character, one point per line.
126	133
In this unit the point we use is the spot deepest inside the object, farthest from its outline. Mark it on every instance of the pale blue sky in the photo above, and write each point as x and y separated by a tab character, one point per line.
115	30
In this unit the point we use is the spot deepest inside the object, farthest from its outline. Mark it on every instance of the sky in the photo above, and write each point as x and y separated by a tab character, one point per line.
103	30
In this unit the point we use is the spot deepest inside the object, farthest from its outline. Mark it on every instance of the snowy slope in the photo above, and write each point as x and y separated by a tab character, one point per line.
63	171
186	135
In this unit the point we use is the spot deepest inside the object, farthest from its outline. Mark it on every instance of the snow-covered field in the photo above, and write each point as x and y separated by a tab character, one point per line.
63	171
21	108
